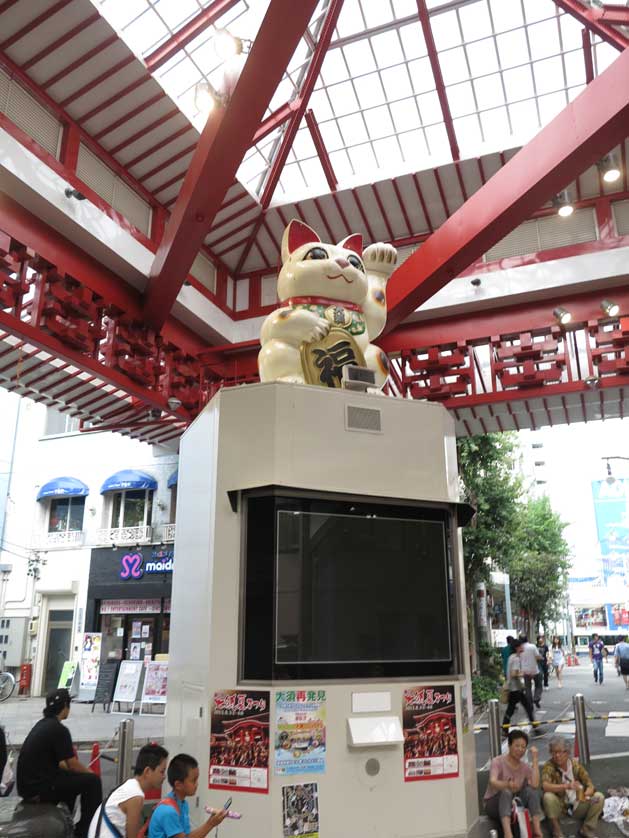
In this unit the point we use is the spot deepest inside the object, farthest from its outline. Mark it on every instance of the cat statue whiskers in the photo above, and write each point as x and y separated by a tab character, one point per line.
332	306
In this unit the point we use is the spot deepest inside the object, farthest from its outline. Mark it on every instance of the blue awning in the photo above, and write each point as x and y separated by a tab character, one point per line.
172	480
63	487
128	478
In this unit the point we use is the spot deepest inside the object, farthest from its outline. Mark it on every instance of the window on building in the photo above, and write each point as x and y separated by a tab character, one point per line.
60	423
173	504
132	508
66	514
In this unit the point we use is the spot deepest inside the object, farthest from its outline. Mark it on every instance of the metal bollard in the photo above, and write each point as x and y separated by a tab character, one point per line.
495	728
124	768
583	743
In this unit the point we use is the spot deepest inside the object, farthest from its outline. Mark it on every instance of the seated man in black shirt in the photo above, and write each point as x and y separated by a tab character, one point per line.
48	770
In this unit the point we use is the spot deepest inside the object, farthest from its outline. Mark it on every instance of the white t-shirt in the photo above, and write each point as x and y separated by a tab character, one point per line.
115	814
530	657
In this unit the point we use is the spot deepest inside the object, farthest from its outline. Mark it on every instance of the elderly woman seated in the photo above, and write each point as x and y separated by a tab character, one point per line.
568	790
511	777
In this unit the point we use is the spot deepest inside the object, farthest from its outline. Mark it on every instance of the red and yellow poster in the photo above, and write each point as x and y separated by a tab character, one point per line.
430	738
239	741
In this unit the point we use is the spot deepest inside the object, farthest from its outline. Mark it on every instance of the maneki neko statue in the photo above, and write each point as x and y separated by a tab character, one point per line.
332	306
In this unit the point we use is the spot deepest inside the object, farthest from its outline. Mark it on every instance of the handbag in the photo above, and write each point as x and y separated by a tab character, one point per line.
520	820
504	694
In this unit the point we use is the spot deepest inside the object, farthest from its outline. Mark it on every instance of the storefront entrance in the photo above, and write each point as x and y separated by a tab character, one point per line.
134	636
58	646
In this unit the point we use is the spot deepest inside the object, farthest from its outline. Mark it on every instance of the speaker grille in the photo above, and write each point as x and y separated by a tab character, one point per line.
366	419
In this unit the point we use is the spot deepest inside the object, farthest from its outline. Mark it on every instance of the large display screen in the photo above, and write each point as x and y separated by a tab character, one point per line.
353	589
338	588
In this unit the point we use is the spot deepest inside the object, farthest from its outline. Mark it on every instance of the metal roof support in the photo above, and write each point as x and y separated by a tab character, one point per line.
593	20
588	58
188	33
579	136
322	151
433	57
316	61
225	139
615	14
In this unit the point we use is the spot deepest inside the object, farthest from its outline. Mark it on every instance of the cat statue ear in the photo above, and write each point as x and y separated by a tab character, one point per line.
353	243
295	235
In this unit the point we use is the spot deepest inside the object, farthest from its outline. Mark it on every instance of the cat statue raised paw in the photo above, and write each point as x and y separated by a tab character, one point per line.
332	305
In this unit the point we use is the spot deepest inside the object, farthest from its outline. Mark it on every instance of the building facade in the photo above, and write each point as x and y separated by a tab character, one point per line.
87	542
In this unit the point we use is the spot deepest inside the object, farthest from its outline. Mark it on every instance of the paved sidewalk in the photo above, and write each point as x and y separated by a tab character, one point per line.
18	715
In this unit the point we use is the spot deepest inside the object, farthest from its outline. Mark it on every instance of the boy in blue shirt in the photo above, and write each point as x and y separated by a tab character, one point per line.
171	818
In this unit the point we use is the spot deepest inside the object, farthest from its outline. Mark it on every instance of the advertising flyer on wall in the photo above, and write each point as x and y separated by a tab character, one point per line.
300	732
239	741
90	661
300	810
430	738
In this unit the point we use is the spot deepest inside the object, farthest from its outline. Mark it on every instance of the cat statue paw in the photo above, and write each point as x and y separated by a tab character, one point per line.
332	306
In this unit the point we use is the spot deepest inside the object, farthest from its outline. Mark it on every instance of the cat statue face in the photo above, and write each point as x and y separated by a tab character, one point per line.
312	268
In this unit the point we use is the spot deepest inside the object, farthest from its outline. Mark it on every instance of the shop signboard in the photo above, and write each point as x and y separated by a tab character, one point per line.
155	683
89	664
128	682
66	678
300	732
131	606
239	740
430	735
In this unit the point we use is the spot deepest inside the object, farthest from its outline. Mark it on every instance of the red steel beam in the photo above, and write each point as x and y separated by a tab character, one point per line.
188	33
61	41
580	135
275	119
615	15
433	57
322	152
316	61
33	24
592	20
588	58
225	139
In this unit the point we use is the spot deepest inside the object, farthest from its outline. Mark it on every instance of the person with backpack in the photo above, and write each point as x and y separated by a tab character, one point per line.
120	816
621	659
171	817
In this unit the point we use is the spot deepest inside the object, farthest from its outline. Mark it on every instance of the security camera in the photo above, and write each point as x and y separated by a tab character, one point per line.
174	403
476	281
74	193
155	413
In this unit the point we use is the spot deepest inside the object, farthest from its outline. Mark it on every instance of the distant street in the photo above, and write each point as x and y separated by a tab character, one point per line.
606	737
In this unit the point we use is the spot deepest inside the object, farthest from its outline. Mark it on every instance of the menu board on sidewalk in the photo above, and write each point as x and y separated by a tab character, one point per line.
106	683
128	682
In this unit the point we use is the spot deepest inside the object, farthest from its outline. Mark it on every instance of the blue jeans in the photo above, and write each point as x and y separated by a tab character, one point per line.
598	670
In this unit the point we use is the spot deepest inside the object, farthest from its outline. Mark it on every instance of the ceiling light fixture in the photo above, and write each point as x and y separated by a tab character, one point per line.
205	98
608	168
226	45
610	308
563	204
562	315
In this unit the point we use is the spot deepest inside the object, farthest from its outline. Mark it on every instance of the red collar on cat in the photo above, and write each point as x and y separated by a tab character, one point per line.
320	301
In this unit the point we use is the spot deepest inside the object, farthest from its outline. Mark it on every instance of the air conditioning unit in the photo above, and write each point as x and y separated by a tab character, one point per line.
33	626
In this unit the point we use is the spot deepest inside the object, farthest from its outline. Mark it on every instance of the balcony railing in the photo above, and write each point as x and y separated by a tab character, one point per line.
123	535
168	532
65	538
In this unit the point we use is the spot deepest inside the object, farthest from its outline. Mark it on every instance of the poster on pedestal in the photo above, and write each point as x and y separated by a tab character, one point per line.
239	741
155	685
430	737
127	684
300	732
300	810
68	677
89	665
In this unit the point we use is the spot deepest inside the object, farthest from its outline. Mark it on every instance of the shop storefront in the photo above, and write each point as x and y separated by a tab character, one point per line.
128	601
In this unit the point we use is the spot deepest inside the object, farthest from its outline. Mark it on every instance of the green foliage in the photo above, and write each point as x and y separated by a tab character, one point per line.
486	467
490	661
539	574
484	688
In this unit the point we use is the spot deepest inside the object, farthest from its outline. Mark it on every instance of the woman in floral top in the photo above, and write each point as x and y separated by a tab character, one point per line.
568	789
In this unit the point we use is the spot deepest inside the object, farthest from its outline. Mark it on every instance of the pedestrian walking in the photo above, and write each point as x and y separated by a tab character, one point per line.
621	659
530	671
516	688
542	648
597	653
557	658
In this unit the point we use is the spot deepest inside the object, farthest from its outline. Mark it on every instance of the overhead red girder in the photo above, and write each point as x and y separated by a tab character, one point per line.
593	19
225	139
614	14
188	33
312	74
322	152
577	138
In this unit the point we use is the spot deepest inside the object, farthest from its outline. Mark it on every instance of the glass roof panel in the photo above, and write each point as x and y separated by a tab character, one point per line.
508	66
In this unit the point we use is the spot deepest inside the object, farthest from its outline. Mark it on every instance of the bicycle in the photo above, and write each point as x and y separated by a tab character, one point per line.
7	685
